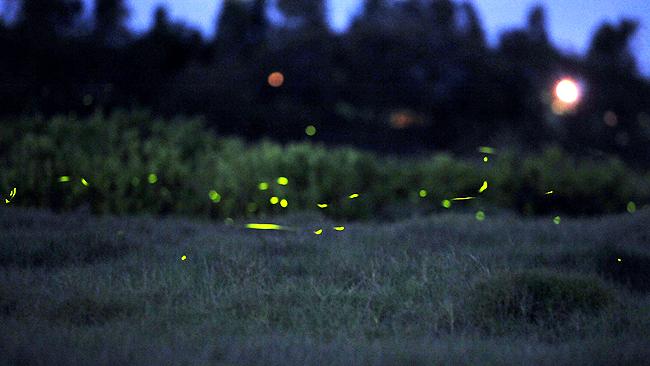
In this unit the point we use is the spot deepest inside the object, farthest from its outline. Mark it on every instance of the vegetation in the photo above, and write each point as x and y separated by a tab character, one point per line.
406	76
445	289
133	163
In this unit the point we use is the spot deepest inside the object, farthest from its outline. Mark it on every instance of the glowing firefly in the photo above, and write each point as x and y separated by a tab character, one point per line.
483	187
265	227
480	215
318	232
214	196
353	195
283	181
310	130
322	205
462	198
339	228
486	150
84	182
631	207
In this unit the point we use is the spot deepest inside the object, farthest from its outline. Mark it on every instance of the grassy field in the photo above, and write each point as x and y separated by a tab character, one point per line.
443	289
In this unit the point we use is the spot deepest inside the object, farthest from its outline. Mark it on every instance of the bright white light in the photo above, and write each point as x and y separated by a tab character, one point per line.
567	91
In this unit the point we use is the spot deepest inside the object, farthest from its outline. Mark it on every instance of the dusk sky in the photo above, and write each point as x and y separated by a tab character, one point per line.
570	23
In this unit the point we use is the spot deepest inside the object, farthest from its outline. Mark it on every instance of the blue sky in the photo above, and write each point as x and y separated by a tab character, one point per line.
570	22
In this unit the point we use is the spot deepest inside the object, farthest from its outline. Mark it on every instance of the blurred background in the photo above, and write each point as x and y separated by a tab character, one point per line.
404	78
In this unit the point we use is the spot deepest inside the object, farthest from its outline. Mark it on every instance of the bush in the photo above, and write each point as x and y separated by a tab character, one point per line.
134	163
535	297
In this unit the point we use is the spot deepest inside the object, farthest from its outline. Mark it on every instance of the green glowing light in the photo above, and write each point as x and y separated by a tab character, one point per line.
7	201
318	232
283	181
480	215
486	150
353	195
423	193
152	178
322	205
339	228
631	207
483	187
619	260
556	220
263	186
274	200
284	203
462	198
446	203
310	130
13	193
84	182
264	227
485	159
183	257
548	193
214	196
64	178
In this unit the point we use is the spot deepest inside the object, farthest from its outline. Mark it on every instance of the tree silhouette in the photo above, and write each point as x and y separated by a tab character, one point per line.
109	18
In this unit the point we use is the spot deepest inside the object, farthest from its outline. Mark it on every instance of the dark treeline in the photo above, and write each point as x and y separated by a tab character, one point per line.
405	76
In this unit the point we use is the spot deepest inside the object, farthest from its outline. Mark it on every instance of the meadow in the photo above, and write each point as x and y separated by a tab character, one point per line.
441	288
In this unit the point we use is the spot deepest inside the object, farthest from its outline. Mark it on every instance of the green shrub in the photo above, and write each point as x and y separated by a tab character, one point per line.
535	297
116	155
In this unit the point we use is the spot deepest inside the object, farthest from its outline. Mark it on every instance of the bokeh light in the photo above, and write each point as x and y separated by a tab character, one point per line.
631	207
480	215
610	118
276	79
152	178
214	196
567	91
310	130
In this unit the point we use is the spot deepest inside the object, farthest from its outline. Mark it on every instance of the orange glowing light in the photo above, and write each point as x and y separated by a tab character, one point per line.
567	91
276	79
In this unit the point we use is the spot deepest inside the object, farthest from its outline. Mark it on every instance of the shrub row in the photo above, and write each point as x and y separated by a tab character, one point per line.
133	163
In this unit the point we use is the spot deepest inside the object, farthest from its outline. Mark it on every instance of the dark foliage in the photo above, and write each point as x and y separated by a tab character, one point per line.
406	76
